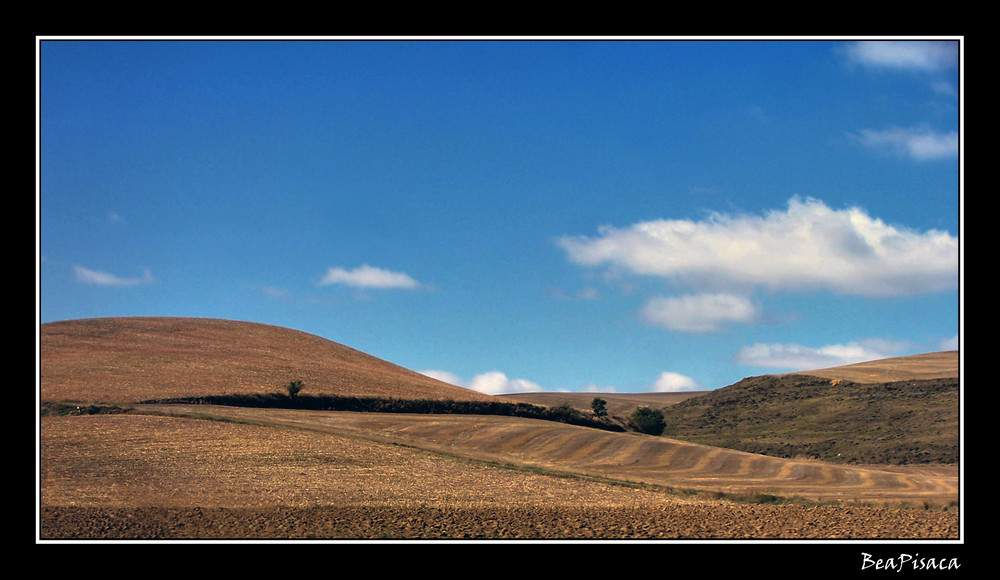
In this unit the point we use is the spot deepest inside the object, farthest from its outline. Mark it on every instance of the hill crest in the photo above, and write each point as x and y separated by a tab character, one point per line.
897	422
130	359
932	365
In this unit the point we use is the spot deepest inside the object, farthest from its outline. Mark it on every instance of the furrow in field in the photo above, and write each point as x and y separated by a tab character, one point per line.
623	456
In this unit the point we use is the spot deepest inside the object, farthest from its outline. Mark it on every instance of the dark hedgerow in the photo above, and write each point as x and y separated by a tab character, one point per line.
563	414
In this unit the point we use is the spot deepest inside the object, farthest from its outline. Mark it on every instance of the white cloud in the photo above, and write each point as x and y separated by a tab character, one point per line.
699	312
367	276
807	247
97	278
495	383
490	383
921	144
910	55
795	357
949	343
670	382
444	376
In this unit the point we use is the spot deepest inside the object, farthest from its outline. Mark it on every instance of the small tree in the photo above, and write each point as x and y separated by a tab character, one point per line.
648	420
294	387
599	406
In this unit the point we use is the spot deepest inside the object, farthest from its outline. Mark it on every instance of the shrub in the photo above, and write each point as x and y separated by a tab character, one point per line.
294	387
599	406
648	420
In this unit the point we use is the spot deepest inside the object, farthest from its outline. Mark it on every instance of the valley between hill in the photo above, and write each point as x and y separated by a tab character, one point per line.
205	471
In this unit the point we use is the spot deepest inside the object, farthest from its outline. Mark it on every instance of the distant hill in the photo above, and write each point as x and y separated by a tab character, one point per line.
620	404
896	422
933	365
898	410
132	359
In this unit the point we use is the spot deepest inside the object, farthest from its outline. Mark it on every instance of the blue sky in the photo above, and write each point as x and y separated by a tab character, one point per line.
533	214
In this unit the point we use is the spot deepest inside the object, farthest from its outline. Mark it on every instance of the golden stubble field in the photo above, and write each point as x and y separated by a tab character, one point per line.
169	472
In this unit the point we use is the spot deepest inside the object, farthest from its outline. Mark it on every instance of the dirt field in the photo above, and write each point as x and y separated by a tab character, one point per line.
619	456
532	522
150	477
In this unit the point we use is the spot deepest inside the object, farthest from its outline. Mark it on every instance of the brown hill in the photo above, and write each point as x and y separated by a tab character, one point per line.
125	360
620	404
933	365
900	410
897	422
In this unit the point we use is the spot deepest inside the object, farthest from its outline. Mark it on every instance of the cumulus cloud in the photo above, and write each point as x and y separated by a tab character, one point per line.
699	312
367	276
670	382
98	278
795	357
444	376
921	143
490	383
809	246
495	383
908	55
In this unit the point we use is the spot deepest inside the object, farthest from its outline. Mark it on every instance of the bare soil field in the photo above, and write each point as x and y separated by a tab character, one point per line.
152	477
666	521
625	457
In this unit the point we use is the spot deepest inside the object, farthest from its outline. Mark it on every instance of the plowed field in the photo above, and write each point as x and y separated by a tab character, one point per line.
154	477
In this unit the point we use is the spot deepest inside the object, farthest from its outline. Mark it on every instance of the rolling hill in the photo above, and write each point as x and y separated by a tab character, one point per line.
618	404
932	365
900	410
899	422
125	360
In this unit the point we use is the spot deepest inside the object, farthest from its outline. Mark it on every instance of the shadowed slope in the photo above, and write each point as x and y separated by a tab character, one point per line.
899	422
124	360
